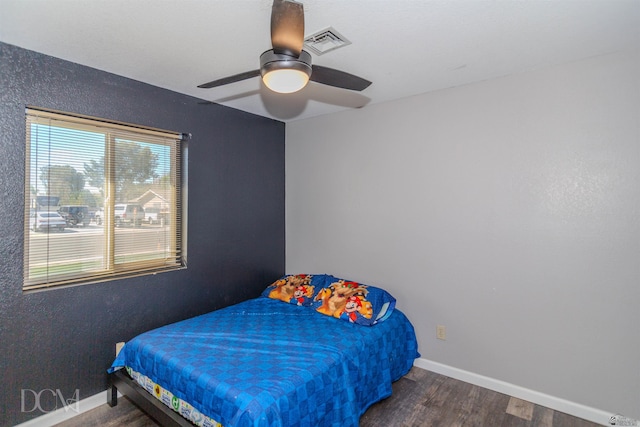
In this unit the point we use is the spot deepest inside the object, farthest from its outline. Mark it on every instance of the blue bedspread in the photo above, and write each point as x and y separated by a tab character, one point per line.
266	363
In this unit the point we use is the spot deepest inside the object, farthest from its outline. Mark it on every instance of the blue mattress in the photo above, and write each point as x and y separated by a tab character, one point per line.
267	363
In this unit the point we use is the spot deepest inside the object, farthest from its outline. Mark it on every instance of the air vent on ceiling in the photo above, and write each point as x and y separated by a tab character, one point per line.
324	41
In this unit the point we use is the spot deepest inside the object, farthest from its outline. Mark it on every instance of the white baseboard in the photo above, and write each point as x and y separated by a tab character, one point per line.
576	409
52	418
555	403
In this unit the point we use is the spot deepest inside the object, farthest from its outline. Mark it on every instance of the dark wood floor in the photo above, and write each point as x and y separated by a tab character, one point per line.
421	398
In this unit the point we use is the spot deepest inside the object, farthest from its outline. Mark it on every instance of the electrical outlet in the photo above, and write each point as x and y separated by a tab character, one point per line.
441	332
119	346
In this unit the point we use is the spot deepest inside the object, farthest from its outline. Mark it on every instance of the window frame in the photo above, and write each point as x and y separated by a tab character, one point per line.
113	132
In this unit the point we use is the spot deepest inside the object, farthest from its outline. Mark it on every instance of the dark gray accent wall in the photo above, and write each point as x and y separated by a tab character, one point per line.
64	339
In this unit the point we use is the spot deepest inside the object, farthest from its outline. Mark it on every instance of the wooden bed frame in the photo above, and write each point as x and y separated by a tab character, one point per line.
165	416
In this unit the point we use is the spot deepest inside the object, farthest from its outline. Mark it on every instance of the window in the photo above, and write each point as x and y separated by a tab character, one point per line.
89	184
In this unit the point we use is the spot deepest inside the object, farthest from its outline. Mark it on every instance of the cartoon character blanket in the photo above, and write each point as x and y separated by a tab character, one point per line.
265	363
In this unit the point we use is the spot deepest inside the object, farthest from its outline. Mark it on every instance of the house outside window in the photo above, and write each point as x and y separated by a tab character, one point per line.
102	200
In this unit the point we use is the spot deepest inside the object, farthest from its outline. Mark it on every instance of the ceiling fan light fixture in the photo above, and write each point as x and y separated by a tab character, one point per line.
287	67
285	73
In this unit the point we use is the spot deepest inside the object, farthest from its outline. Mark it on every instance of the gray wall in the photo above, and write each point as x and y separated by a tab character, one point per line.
508	211
64	338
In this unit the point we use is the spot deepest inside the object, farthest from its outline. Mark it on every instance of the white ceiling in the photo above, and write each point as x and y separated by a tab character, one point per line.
405	47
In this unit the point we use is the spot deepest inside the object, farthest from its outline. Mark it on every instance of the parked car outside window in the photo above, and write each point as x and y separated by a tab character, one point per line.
132	214
151	215
75	215
46	221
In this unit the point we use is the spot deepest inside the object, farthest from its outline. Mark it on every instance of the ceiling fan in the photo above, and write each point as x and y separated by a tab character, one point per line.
287	68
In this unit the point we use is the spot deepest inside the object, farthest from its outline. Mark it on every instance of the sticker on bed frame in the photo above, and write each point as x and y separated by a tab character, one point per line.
185	409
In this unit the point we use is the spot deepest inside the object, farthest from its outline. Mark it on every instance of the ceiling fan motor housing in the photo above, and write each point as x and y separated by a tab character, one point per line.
271	61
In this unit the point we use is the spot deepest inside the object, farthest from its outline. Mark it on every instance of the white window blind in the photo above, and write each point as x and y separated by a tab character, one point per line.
102	200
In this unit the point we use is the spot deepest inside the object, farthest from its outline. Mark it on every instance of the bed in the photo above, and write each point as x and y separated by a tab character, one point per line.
292	357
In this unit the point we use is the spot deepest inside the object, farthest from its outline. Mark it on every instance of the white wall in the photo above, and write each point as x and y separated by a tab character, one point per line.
508	211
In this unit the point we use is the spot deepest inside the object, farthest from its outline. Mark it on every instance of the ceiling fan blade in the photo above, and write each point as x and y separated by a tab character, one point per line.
230	79
331	77
287	27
